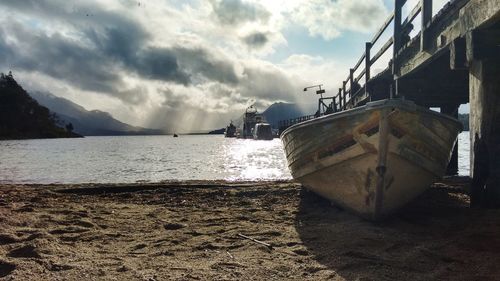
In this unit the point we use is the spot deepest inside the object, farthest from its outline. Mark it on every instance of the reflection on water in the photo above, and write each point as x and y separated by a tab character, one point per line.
249	159
152	159
140	158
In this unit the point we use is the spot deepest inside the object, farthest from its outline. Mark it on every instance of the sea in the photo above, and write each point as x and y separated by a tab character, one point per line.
130	159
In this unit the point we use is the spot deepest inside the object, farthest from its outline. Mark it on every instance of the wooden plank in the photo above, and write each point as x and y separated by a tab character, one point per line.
359	61
383	28
368	47
458	57
413	14
382	50
479	13
351	78
426	6
360	75
483	44
397	26
343	92
340	98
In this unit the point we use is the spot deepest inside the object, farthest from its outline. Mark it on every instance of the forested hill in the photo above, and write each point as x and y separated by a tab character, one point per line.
21	117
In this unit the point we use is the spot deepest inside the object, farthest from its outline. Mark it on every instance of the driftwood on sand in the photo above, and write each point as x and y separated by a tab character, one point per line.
256	241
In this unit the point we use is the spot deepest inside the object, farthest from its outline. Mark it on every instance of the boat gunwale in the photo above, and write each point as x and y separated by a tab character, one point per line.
376	105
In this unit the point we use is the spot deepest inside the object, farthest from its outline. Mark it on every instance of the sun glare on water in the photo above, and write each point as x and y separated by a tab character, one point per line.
253	160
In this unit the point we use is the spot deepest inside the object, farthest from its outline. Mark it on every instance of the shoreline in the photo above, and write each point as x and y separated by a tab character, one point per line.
194	230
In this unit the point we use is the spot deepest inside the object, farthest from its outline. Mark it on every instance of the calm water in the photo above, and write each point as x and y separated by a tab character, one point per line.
150	158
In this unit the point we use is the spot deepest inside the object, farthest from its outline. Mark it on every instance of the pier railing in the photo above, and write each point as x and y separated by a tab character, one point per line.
351	92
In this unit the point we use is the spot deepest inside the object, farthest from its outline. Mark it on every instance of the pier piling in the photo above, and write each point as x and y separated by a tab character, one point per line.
485	131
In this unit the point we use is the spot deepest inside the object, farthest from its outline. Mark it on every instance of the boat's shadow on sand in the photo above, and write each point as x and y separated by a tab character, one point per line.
436	237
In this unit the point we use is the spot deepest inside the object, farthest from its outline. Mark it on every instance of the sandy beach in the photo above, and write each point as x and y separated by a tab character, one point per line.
204	231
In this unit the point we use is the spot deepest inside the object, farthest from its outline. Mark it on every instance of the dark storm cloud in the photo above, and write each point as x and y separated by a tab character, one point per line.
70	12
201	62
119	40
257	39
125	44
105	45
159	64
58	57
5	51
231	12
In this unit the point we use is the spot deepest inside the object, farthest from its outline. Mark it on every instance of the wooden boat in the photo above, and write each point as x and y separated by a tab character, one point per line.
372	159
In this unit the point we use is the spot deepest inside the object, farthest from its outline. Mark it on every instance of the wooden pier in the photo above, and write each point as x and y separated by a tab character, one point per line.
453	59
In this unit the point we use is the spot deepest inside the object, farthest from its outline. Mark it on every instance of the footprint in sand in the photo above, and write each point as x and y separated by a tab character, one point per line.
173	226
83	223
69	229
25	208
6	268
138	247
27	251
301	252
8	239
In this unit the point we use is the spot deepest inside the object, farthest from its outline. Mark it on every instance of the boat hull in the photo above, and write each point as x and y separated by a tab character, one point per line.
374	159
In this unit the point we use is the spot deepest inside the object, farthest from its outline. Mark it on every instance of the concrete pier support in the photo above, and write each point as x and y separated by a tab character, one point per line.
452	170
484	95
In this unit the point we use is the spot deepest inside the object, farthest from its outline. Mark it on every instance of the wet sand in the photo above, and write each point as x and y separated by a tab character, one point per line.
191	231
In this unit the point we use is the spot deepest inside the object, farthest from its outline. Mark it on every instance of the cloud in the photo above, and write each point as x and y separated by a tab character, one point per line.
264	81
328	18
309	70
112	53
236	12
159	64
256	39
58	57
207	64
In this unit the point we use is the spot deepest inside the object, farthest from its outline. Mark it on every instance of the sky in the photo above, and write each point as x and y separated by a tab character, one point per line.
185	65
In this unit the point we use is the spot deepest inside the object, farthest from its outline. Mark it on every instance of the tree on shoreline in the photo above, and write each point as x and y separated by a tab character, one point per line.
21	117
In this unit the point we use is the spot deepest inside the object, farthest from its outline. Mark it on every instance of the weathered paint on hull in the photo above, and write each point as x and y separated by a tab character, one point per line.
373	159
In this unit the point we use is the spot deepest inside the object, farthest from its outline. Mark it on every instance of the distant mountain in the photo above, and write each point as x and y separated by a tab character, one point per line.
22	117
89	123
283	111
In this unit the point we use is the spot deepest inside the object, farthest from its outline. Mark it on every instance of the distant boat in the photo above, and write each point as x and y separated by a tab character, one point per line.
175	136
371	159
250	118
262	131
230	131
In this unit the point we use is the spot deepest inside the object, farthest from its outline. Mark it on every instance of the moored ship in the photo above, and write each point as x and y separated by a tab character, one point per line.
250	118
230	131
